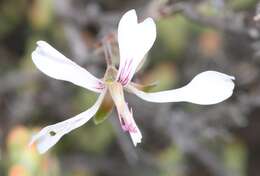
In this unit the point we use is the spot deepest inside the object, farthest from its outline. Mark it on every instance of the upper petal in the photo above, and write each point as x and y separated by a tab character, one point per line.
54	64
135	40
50	135
209	87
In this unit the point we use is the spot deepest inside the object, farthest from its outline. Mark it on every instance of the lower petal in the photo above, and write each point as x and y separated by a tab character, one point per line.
128	124
136	135
50	135
124	113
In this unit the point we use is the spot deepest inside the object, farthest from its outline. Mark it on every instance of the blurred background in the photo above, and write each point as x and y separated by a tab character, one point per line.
179	139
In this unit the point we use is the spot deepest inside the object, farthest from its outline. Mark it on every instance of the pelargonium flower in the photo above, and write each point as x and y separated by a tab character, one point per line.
134	39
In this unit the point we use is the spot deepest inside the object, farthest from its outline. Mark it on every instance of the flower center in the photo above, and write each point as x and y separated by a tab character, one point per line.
110	75
117	94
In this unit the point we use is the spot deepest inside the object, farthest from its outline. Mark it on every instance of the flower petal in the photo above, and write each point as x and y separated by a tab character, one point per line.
135	134
54	64
128	123
125	115
50	135
209	87
134	41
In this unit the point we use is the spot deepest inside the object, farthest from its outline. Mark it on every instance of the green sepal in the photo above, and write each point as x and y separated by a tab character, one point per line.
101	116
146	87
104	110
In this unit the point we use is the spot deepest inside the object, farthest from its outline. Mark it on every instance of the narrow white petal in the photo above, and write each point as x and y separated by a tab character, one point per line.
128	123
124	113
54	64
209	87
126	33
135	40
136	136
50	135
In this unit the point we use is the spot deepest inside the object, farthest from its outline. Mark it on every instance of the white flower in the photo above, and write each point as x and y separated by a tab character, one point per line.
135	39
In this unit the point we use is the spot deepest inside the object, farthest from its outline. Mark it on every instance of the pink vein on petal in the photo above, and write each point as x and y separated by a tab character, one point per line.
125	72
127	125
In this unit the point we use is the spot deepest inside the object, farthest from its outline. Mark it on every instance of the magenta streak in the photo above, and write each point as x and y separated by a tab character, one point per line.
125	81
124	75
122	72
132	126
126	126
